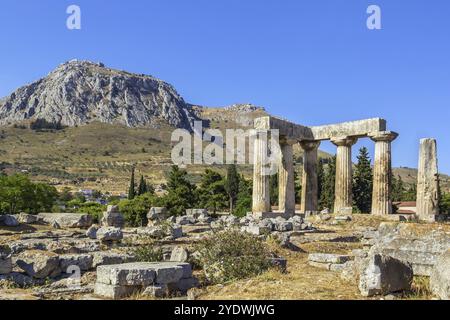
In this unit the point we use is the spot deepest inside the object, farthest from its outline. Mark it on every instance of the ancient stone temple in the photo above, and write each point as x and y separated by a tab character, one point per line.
343	136
427	181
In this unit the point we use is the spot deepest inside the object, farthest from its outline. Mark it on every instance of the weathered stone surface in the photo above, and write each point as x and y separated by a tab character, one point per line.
113	218
102	258
27	218
328	258
283	226
286	183
19	279
344	218
91	233
427	180
179	254
39	264
109	234
67	220
5	260
8	221
127	274
310	189
185	220
156	291
440	277
114	291
280	263
383	274
157	213
412	242
261	189
83	261
195	213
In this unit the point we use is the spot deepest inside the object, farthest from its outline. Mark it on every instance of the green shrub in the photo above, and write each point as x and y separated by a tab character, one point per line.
230	255
149	252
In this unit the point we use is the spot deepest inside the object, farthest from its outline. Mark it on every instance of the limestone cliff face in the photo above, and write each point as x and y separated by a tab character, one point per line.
80	92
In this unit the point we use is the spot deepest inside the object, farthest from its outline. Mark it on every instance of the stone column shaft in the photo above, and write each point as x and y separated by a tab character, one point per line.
343	200
382	173
309	178
427	180
261	190
286	183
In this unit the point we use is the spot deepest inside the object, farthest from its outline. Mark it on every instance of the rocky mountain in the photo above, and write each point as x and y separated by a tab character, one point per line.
81	92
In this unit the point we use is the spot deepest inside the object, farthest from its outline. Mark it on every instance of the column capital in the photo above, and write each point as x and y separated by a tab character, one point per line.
343	141
309	145
387	136
288	141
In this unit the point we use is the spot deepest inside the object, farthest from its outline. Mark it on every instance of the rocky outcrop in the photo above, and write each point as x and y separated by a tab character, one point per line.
80	92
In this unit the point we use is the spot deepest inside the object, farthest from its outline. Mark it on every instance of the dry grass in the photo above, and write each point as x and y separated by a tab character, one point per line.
301	282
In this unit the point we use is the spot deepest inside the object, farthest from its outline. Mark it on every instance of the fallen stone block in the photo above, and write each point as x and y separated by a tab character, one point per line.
39	264
8	221
102	258
329	258
91	233
109	234
156	291
82	261
113	218
280	263
157	214
383	274
195	213
283	226
5	260
114	291
440	277
27	218
321	265
67	220
179	254
344	218
183	285
127	274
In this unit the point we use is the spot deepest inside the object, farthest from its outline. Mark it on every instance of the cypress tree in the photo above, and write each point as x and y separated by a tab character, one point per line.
142	189
362	182
232	185
131	190
326	199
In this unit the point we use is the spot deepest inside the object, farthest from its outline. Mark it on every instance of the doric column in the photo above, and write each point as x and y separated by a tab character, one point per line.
286	183
343	185
381	195
309	178
427	181
261	190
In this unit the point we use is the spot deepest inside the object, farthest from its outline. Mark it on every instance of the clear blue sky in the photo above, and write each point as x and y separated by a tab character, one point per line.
313	62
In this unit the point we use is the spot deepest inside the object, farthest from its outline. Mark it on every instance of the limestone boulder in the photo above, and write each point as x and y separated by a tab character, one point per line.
5	260
82	261
39	264
156	214
382	274
179	254
113	218
27	218
66	220
91	233
440	277
106	234
195	213
8	220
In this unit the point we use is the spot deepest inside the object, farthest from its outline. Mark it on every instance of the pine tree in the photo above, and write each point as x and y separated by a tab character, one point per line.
131	190
232	185
181	194
211	192
142	189
362	182
326	199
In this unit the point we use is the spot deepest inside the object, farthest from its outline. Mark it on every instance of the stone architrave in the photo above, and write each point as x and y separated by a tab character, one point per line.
343	186
309	200
382	172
